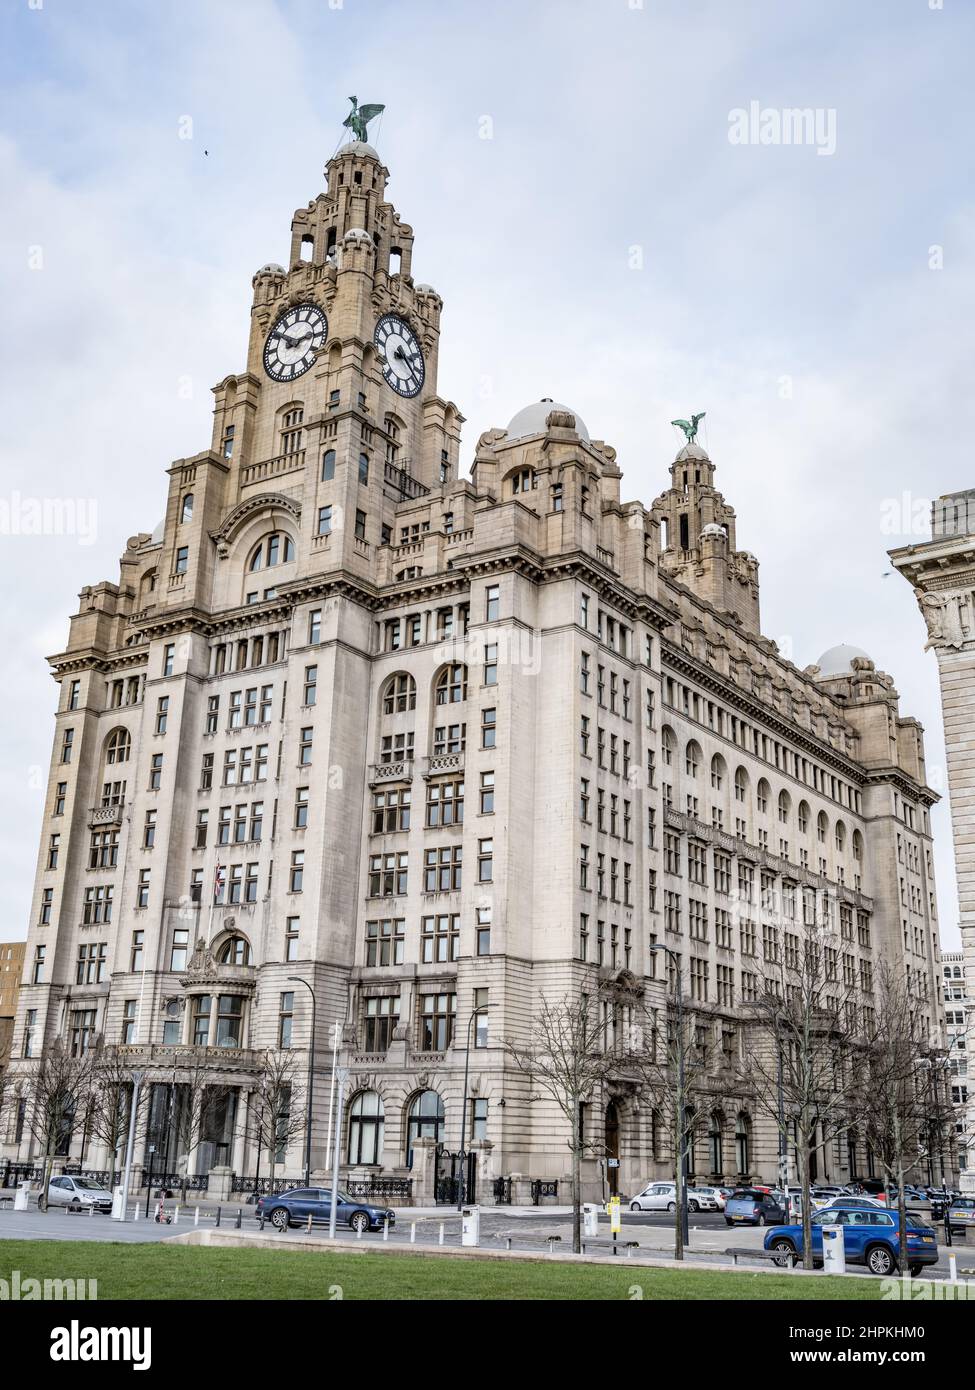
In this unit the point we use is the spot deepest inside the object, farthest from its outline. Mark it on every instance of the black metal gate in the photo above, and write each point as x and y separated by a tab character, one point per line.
447	1181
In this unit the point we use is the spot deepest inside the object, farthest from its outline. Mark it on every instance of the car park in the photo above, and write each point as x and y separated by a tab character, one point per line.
870	1238
294	1207
80	1193
750	1206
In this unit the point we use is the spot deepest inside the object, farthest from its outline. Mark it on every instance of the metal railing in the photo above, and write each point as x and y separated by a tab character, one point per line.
387	1188
543	1187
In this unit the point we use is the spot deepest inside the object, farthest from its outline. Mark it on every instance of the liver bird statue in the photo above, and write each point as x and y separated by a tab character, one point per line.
359	117
689	426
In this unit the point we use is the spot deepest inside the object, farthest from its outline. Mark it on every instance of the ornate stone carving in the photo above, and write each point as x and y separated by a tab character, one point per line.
943	618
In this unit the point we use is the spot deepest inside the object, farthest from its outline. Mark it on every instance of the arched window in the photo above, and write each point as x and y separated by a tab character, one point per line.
718	772
399	694
857	846
451	687
291	429
426	1120
715	1144
235	951
743	1146
785	802
741	784
692	759
186	511
668	746
803	817
822	825
366	1125
762	793
276	548
840	836
118	747
525	480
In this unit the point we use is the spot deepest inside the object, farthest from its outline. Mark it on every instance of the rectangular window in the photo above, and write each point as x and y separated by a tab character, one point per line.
483	931
67	744
47	902
142	891
485	861
382	1017
179	952
442	869
439	939
480	1018
324	521
291	933
360	525
311	685
437	1013
169	658
136	954
155	772
129	1008
301	808
182	563
37	971
492	603
286	1010
491	663
445	804
387	875
489	725
297	870
314	626
386	941
487	793
304	747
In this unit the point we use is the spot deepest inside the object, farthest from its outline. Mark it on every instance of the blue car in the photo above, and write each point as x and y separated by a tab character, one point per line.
870	1237
294	1207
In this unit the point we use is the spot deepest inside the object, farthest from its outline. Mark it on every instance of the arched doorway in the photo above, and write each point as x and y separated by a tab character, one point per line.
613	1148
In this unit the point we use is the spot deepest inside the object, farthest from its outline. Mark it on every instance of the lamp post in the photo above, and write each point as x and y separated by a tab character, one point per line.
130	1144
681	1117
297	979
342	1077
462	1186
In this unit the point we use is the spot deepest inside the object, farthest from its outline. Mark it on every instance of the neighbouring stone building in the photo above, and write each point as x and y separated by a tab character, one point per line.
941	572
433	743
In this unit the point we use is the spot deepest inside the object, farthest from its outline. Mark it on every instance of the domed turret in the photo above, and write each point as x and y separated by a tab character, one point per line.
531	420
838	661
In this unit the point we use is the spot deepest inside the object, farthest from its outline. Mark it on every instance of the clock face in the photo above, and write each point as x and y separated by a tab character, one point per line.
402	357
294	341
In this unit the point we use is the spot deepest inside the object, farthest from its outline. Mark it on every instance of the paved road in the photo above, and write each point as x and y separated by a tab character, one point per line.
527	1228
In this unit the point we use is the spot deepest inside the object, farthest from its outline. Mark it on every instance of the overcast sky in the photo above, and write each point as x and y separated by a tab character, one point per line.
594	231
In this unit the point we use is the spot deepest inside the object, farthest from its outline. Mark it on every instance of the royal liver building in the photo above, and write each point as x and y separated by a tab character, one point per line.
355	730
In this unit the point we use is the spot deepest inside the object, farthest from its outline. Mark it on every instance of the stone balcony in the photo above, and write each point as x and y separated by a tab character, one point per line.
399	771
442	763
105	815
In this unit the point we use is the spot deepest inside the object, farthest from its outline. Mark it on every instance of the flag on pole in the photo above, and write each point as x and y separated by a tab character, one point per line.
219	879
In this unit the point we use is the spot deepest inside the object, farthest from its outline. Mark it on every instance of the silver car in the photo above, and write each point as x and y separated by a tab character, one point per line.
78	1192
656	1196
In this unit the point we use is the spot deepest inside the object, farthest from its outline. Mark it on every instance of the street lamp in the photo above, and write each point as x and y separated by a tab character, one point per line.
130	1146
462	1186
681	1117
297	979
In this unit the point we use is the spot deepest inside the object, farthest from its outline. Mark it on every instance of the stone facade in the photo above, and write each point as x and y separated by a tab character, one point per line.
266	730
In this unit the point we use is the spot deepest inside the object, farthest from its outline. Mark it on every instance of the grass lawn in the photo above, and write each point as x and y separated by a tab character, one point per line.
130	1271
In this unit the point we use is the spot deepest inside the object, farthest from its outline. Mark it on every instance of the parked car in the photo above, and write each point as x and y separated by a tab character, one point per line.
293	1208
870	1237
961	1216
78	1192
750	1206
854	1204
709	1198
656	1196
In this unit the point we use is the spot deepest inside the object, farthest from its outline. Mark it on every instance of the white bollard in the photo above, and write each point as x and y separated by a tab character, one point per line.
196	1216
91	1209
412	1232
135	1212
358	1233
441	1234
953	1268
176	1213
385	1230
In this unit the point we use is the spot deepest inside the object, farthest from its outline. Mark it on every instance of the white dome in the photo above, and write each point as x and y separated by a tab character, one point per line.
426	289
357	234
158	533
838	660
713	529
358	148
532	419
270	269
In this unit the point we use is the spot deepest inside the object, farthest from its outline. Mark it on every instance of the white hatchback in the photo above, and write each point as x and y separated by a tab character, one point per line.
78	1192
656	1196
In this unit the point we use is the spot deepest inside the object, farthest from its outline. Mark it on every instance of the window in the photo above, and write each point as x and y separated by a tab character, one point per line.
442	869
142	890
67	743
47	903
525	480
230	1020
386	941
74	695
314	627
387	875
182	560
179	953
492	603
136	953
301	808
360	525
445	804
437	1014
311	685
382	1016
155	772
53	851
304	747
481	1018
489	724
328	465
91	963
363	468
451	685
82	1031
487	793
286	1011
37	970
30	1024
366	1128
291	933
275	549
491	663
556	496
399	695
439	938
297	870
324	521
119	747
485	861
169	658
449	738
483	931
60	797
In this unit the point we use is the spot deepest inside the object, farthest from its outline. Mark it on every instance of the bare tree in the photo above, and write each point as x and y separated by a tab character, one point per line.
276	1117
901	1103
60	1103
566	1059
113	1089
194	1099
799	1066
